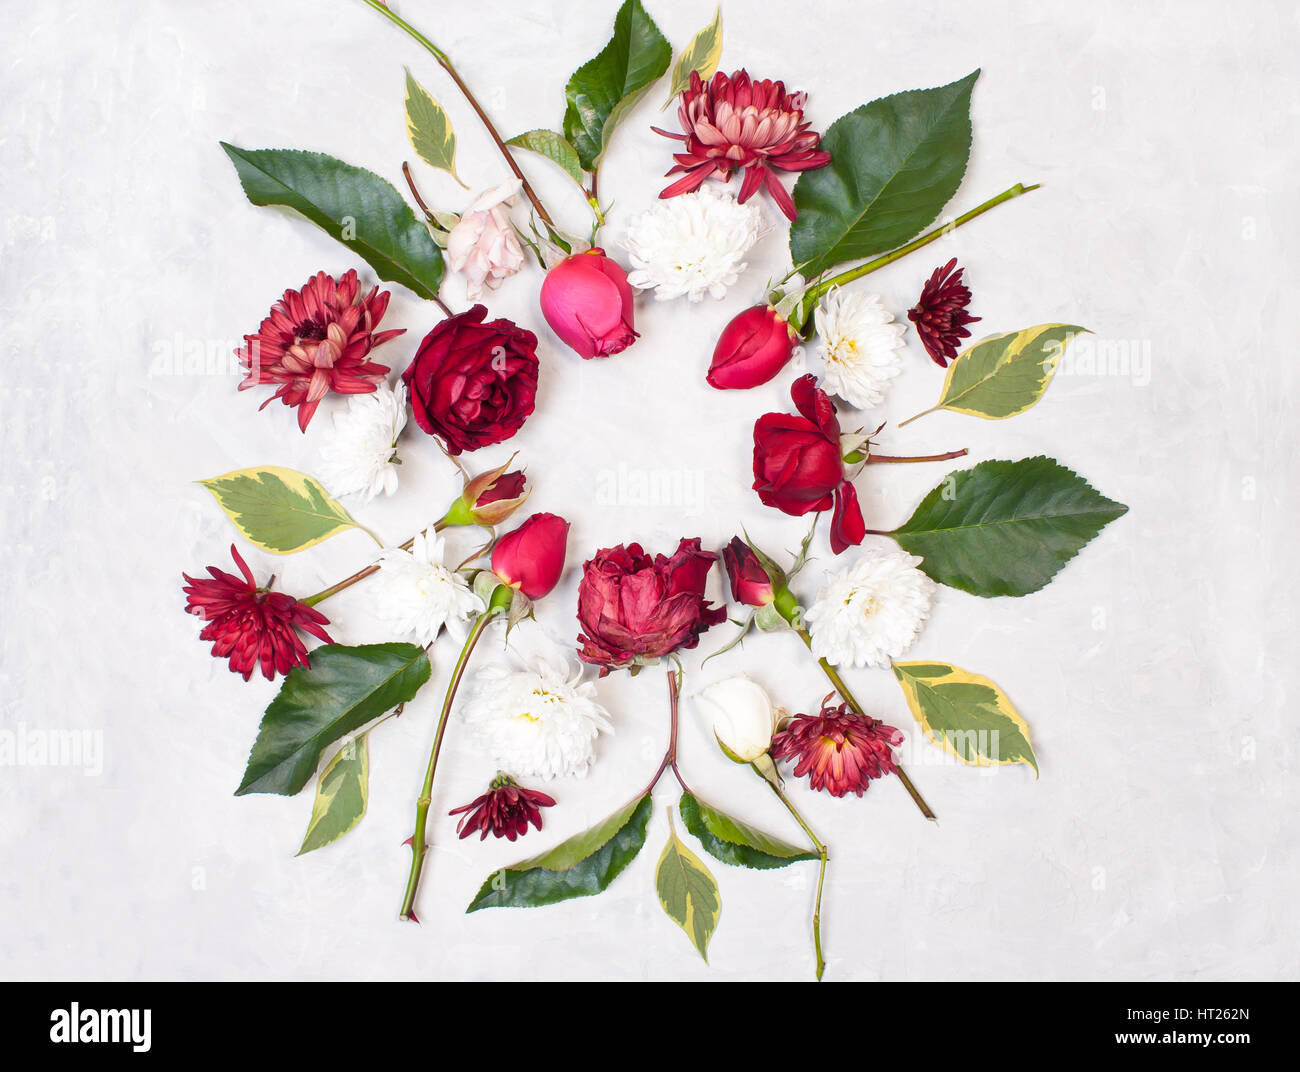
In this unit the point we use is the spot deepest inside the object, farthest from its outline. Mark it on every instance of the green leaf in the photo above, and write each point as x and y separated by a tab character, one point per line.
603	90
728	839
342	690
340	795
1005	528
687	891
894	164
702	54
351	204
429	128
279	510
1006	374
966	715
582	866
554	147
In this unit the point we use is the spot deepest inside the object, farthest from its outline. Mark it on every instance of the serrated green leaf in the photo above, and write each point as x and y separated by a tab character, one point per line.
604	89
702	54
341	793
429	128
1005	528
554	147
342	690
967	715
1006	374
727	839
352	205
894	164
687	891
582	866
279	510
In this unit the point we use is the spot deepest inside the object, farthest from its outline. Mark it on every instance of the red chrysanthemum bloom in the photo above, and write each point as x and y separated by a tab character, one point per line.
940	313
505	810
252	626
737	124
839	750
316	340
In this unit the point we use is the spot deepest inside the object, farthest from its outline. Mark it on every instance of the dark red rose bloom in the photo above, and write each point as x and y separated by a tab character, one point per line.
750	583
473	383
531	558
797	463
252	626
632	606
839	750
505	810
737	124
940	313
752	349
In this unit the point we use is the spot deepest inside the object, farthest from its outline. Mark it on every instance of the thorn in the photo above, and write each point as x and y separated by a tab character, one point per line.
410	841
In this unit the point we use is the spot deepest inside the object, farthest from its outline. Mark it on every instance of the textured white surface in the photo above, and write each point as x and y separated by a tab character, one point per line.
1155	671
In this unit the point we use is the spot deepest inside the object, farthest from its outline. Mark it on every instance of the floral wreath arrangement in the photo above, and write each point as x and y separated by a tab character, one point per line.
866	192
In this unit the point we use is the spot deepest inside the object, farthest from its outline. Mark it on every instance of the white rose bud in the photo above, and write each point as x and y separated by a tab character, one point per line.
743	717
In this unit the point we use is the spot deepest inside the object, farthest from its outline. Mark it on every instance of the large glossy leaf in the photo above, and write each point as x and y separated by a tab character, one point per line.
966	714
429	128
1006	374
341	793
687	892
582	866
1005	528
344	688
701	55
554	147
726	838
894	164
603	90
279	510
350	204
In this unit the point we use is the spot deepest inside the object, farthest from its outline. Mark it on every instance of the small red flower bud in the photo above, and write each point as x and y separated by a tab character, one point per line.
531	558
587	300
752	349
750	583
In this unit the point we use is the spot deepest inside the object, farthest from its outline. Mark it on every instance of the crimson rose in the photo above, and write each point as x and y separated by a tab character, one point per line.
472	383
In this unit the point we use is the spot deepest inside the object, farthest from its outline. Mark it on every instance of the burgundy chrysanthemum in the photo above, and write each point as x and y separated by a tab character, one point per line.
737	124
839	750
940	313
252	626
505	810
316	340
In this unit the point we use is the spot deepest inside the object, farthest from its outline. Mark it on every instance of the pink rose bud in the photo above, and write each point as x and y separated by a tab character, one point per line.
483	246
588	303
531	558
752	349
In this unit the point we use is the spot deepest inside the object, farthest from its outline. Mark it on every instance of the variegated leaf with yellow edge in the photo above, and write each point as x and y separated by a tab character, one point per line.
702	55
966	714
279	510
687	891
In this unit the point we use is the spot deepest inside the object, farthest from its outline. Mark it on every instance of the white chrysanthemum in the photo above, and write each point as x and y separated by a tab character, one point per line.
417	594
871	612
861	346
360	457
539	722
692	244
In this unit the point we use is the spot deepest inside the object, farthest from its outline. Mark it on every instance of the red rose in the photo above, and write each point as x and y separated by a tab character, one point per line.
797	463
472	383
750	583
634	607
531	558
752	349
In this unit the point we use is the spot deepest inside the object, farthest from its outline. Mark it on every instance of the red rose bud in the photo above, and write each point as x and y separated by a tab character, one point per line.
473	383
531	558
634	607
587	301
750	583
797	463
489	498
752	349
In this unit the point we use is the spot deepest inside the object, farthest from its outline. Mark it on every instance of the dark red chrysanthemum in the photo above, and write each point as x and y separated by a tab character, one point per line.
839	750
940	313
505	810
737	124
314	341
252	626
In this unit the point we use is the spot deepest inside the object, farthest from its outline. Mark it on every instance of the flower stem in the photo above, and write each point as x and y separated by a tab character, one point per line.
360	575
821	871
924	458
834	677
670	756
445	63
500	601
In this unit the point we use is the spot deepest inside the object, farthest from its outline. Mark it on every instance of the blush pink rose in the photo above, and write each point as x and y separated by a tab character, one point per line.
483	246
